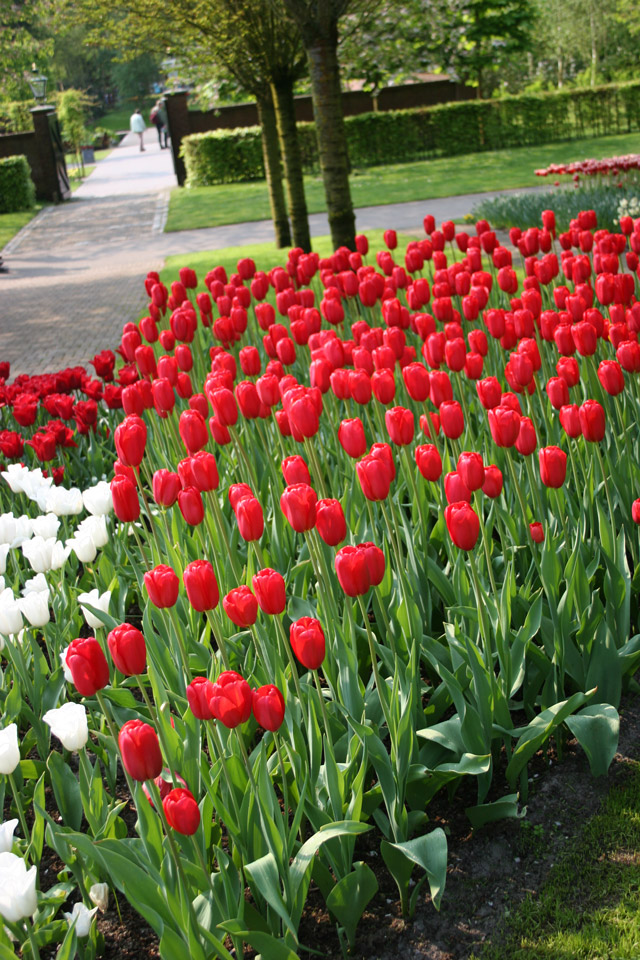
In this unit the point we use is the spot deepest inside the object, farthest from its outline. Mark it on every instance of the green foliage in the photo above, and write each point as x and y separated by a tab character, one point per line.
17	191
15	116
227	156
73	110
525	209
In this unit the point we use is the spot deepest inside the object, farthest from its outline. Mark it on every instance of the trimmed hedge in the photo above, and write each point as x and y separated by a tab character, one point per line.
395	136
17	191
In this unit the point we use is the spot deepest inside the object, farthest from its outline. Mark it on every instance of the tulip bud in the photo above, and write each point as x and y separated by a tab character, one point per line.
269	588
198	694
128	649
166	487
130	439
182	811
308	642
330	522
124	494
352	437
492	486
553	466
295	470
268	707
88	666
429	461
191	506
241	606
463	525
352	571
537	532
592	421
201	585
140	750
162	586
298	503
471	470
230	699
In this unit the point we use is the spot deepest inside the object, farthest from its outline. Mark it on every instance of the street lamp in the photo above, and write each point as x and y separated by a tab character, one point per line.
38	84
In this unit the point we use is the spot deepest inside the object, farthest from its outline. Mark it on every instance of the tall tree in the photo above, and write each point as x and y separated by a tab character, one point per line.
474	38
317	21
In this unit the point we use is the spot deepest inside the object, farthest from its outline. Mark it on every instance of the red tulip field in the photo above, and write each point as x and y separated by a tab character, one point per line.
340	541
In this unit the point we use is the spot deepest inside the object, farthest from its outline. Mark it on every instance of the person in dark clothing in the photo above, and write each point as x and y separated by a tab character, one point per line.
158	118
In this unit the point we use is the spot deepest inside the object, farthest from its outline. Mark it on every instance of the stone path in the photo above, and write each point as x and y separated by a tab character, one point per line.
75	271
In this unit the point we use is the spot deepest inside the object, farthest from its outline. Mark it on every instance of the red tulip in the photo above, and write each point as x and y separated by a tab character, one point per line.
130	439
201	585
193	430
270	591
527	440
463	525
375	562
374	477
298	503
308	642
353	573
635	511
451	419
88	666
198	695
611	377
241	606
492	486
330	522
124	494
553	466
592	421
400	425
471	470
140	750
182	811
537	532
428	461
166	487
417	381
230	699
352	438
295	470
505	426
191	506
489	392
455	489
268	707
162	586
250	518
128	649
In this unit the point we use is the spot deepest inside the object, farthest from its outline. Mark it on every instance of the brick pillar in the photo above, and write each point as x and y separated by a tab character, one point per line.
49	186
179	127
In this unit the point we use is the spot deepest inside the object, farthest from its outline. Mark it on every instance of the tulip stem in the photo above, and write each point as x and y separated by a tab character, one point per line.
173	617
374	666
216	746
292	663
213	500
114	733
416	495
242	455
606	485
485	543
18	801
316	466
217	636
153	716
323	706
285	788
480	600
28	925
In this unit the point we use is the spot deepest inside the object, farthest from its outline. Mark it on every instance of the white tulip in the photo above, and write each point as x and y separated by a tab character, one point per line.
99	894
6	835
4	553
15	475
65	669
7	527
44	555
83	917
34	482
83	547
69	724
18	897
62	502
46	525
96	528
23	531
97	499
9	753
10	613
97	600
35	607
37	584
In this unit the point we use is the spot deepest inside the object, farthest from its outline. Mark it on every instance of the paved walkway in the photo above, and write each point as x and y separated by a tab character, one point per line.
76	270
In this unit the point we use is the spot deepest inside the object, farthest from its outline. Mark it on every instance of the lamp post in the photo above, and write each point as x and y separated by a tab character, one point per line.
38	84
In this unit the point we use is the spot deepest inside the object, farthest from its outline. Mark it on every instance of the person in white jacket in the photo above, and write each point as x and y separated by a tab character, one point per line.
137	125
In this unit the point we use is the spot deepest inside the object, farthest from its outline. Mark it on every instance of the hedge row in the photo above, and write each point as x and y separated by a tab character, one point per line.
224	156
15	116
17	191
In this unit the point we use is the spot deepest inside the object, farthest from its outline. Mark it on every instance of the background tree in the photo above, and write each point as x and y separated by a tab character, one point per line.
475	38
317	21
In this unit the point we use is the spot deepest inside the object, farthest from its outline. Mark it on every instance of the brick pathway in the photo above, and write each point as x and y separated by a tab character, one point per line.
76	270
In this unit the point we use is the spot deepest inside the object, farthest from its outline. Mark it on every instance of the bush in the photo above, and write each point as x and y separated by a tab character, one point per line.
17	191
396	136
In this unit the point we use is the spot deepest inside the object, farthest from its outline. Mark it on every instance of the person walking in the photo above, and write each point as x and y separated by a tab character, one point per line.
159	119
137	125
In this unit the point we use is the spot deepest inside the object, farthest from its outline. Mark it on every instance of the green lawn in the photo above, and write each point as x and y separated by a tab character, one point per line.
10	223
588	908
266	256
397	183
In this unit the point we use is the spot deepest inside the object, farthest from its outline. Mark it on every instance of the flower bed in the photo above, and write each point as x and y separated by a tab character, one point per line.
376	537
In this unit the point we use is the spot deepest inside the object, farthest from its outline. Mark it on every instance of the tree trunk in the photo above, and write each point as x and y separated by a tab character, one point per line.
290	149
273	170
332	141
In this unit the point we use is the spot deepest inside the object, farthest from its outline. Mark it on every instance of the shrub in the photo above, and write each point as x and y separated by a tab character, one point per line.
17	191
15	116
396	136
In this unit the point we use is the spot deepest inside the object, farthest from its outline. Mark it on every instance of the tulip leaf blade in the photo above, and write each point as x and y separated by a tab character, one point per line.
349	897
267	944
596	728
428	852
66	790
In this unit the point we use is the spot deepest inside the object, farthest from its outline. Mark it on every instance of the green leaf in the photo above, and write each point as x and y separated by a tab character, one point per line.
68	947
66	791
428	852
264	874
269	947
596	728
350	896
309	848
498	810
